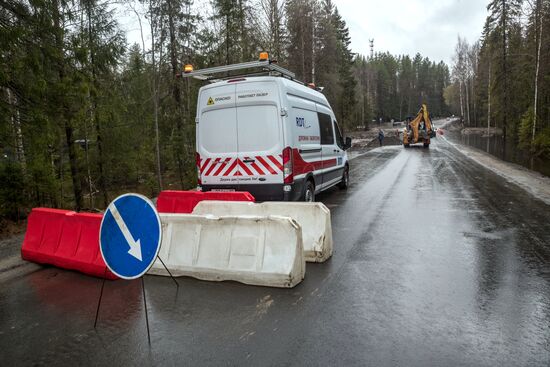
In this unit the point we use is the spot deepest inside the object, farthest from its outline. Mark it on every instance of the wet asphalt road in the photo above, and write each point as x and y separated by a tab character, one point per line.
437	262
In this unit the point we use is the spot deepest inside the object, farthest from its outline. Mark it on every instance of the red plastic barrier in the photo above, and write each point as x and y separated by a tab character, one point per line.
65	239
185	201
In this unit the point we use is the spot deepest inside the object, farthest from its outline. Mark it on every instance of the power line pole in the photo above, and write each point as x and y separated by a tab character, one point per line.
371	43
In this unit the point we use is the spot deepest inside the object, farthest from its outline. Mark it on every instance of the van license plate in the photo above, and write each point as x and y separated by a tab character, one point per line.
223	190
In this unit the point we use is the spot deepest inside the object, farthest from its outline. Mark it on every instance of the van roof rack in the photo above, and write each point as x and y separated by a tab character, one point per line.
265	66
252	68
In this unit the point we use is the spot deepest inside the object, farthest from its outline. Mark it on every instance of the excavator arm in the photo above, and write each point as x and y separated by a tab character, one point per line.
415	127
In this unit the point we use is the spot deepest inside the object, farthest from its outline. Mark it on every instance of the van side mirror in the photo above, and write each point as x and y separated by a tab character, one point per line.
347	144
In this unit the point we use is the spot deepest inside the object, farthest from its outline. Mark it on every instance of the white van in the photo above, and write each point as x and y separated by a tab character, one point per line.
269	135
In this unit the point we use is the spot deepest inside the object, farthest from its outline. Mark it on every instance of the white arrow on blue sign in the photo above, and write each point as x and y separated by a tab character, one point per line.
130	236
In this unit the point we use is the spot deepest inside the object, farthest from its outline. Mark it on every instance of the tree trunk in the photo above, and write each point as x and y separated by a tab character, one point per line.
313	47
473	95
97	122
18	135
461	99
467	103
88	118
539	43
242	31
489	101
72	161
65	121
155	94
303	47
176	93
87	156
504	64
227	38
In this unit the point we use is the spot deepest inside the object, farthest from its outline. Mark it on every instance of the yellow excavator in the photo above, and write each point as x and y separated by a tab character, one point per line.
419	130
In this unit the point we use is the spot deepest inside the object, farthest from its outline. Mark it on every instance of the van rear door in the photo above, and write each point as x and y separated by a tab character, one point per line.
217	137
259	133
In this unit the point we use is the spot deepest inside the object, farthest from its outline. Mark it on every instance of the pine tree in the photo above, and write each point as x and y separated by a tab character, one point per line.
103	45
300	24
502	14
274	37
237	43
345	58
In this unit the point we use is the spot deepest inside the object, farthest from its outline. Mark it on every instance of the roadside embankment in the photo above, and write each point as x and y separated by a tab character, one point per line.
533	182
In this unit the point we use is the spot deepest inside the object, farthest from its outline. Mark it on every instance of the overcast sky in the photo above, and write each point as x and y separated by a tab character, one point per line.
430	27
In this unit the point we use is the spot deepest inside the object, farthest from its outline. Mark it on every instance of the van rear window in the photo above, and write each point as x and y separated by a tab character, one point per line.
218	130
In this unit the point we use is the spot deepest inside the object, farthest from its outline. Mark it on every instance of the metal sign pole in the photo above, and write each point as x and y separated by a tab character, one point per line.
145	304
100	297
171	276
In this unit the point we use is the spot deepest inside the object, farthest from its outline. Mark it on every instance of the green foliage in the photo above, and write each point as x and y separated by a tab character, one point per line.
502	74
300	22
395	87
237	43
526	129
541	144
12	190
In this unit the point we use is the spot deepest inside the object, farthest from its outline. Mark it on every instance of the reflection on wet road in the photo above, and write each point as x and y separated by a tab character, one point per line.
437	262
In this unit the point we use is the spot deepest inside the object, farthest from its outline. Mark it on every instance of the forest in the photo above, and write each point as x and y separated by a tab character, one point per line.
503	79
86	116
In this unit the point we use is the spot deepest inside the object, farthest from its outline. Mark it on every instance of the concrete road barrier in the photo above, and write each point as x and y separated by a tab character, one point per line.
266	251
314	218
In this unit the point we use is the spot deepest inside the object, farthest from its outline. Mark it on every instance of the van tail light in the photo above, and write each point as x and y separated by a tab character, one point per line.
288	162
198	164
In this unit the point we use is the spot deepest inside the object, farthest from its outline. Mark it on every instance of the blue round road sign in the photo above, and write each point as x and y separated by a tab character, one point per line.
130	235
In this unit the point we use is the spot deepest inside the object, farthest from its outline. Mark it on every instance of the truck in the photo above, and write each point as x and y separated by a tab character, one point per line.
265	132
420	129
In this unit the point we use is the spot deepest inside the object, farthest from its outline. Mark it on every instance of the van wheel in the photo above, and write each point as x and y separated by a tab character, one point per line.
343	185
309	193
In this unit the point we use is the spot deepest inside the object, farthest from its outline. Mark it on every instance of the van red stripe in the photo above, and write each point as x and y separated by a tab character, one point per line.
231	168
329	163
212	166
205	164
245	168
256	167
276	162
222	166
300	166
266	165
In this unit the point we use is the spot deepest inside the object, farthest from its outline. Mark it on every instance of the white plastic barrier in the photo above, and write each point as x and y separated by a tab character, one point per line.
314	218
264	251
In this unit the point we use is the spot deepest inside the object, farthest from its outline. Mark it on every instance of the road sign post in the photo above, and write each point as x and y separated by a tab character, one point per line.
129	240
